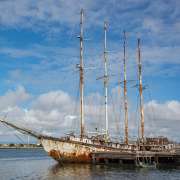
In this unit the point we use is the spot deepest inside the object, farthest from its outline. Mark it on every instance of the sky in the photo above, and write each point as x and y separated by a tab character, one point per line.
39	52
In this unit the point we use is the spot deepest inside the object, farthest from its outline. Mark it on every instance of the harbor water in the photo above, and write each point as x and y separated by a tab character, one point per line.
36	164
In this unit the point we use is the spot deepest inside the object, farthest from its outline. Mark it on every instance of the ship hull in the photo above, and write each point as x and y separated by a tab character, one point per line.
70	152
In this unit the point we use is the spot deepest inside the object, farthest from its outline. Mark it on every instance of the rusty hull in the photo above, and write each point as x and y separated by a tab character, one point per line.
80	151
70	157
70	152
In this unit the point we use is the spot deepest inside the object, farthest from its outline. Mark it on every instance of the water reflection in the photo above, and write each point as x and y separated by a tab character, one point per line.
87	171
73	171
35	164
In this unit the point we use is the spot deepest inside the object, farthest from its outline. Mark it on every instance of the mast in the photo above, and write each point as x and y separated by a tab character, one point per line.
140	90
105	79
125	93
81	70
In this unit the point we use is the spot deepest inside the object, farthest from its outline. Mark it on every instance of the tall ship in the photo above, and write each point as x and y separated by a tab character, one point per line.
99	148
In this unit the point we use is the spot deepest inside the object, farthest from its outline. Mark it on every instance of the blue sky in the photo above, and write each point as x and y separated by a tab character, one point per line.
39	50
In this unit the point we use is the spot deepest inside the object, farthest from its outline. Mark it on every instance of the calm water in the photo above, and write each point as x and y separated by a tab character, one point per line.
35	164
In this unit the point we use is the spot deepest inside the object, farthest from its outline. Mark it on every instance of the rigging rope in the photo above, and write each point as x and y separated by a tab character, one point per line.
74	125
117	123
18	137
137	116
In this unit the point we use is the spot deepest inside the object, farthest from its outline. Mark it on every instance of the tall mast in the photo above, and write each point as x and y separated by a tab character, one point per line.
125	93
81	68
140	90
105	79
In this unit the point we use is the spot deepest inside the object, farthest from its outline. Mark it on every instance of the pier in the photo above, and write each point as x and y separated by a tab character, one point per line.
136	158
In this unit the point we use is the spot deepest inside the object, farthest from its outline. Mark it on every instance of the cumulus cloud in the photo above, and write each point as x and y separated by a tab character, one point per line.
14	98
56	113
165	111
163	118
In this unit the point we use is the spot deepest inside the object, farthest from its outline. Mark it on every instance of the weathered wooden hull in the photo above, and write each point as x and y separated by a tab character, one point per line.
70	151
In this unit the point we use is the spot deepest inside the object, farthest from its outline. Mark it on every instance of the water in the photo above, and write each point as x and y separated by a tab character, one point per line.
18	164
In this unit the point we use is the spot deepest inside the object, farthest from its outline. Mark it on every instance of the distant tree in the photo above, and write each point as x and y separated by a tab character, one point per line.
11	145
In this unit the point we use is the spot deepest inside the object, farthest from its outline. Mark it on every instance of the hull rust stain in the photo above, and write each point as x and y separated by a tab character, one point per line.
71	157
69	152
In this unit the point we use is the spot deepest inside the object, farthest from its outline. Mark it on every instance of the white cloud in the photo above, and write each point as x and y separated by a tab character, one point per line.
152	25
55	99
41	13
163	118
30	12
13	98
21	53
56	113
168	111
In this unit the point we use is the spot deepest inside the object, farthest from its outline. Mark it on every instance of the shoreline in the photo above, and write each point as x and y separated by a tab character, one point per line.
21	147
